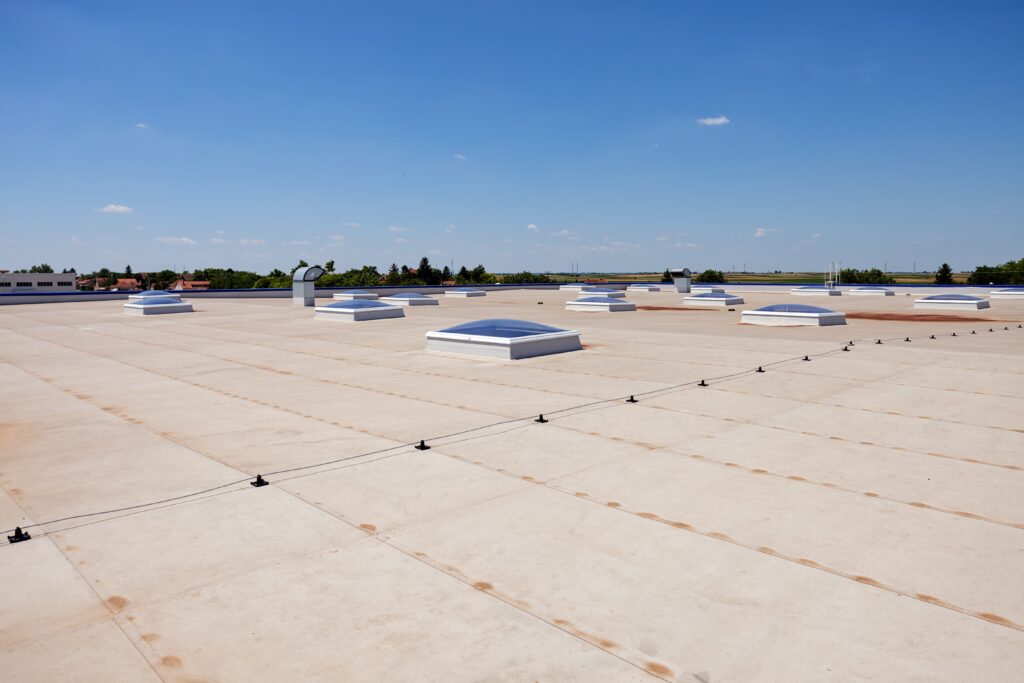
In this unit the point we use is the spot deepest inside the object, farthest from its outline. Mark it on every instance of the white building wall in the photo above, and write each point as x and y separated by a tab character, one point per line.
37	282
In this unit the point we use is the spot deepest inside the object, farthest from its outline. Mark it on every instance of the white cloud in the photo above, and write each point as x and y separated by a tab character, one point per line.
219	232
217	240
459	156
175	240
613	247
400	240
532	227
116	208
687	245
450	228
77	242
713	121
351	225
760	232
335	240
142	125
252	243
399	228
294	243
562	233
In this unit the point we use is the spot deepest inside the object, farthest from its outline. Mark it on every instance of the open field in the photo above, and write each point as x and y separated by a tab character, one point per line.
852	516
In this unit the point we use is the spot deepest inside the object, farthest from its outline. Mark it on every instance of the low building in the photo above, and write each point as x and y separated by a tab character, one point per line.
37	282
183	284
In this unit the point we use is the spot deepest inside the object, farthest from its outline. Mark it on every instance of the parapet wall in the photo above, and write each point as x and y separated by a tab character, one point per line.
322	292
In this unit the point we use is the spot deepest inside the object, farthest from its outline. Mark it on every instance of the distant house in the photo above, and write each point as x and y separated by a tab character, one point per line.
124	284
186	284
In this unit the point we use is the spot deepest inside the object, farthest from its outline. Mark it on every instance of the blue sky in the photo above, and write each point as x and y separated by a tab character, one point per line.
521	135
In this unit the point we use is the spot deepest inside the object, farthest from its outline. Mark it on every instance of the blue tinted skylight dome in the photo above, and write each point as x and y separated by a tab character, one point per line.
599	289
793	314
408	295
794	308
358	303
157	301
463	289
502	327
504	338
156	305
356	291
952	297
136	297
712	295
599	300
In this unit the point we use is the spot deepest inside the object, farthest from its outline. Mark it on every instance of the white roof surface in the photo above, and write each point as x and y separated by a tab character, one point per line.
854	517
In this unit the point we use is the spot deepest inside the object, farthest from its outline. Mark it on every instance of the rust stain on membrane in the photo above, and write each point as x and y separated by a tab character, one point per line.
658	669
117	603
171	662
996	619
868	580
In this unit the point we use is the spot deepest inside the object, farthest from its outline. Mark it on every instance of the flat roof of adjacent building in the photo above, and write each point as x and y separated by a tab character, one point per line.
856	516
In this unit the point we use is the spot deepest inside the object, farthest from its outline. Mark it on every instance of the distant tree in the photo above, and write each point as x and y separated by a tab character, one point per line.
394	276
666	276
300	264
163	279
463	274
367	276
524	277
329	266
944	276
428	273
128	271
41	268
872	276
446	274
711	276
228	278
1009	273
